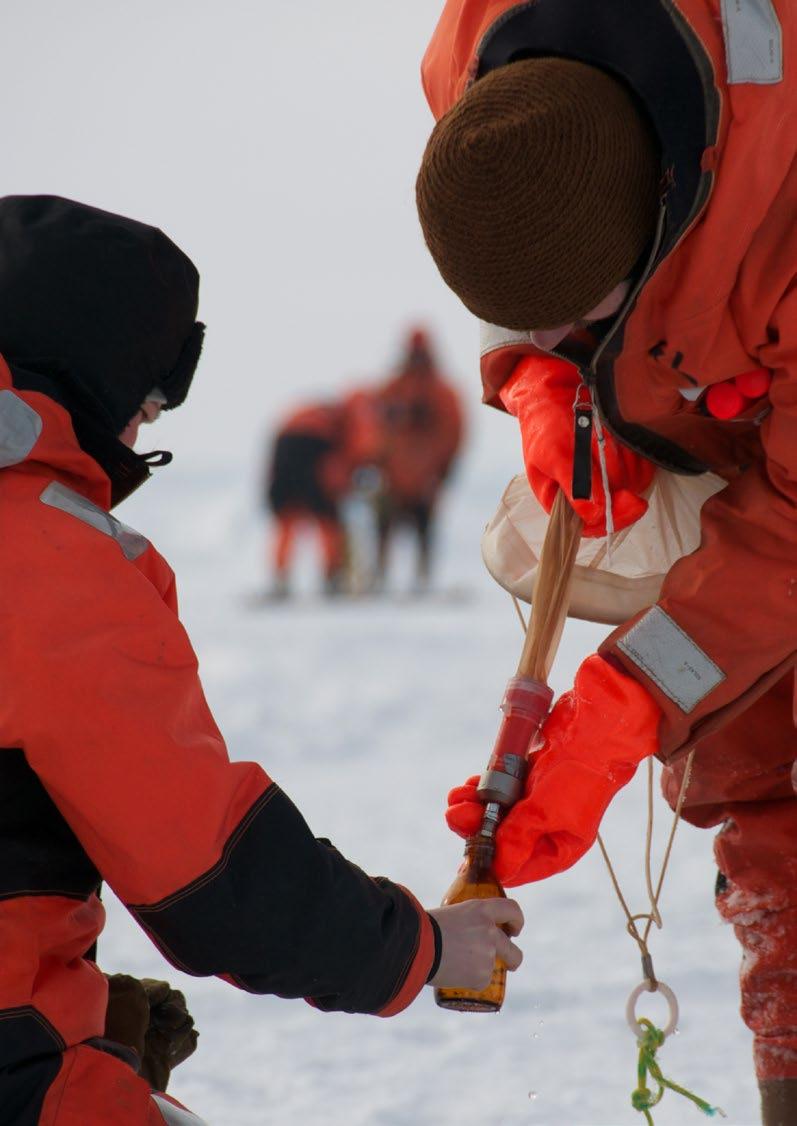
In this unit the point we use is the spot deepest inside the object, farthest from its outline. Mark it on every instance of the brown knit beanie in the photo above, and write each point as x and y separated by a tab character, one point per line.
538	192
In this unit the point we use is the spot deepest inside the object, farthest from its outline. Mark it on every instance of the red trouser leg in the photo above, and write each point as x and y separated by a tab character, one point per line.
741	779
95	1089
283	542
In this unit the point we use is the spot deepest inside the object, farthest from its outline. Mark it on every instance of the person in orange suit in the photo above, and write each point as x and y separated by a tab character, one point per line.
112	769
422	431
611	189
315	453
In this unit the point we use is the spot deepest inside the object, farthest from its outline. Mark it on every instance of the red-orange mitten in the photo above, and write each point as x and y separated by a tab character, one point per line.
593	741
541	393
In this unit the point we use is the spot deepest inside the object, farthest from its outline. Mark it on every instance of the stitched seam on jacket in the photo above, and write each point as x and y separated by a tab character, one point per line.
64	1087
54	892
165	949
218	867
402	979
30	1011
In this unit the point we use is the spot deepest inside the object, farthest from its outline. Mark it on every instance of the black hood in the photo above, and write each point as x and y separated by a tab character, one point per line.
102	306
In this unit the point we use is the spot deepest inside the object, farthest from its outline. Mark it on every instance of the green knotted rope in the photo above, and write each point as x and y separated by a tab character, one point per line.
642	1099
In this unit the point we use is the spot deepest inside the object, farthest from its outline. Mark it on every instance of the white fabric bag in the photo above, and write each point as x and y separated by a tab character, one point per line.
641	554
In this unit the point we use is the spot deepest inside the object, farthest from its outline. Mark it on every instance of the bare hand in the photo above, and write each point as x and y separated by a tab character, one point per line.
475	933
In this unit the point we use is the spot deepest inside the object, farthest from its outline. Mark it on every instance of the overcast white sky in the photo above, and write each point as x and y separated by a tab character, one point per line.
278	144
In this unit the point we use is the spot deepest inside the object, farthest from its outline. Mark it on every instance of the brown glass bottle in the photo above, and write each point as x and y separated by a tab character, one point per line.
476	880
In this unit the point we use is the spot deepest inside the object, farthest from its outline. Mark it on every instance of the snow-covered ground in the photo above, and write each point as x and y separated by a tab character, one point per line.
366	713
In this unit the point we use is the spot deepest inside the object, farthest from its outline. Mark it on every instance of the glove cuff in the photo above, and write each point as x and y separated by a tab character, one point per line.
606	702
595	737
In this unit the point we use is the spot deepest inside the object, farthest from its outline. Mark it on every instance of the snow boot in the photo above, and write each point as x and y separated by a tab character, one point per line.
778	1102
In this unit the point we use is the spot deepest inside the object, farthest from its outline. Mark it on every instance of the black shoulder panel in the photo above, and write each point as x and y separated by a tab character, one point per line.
23	1089
39	853
25	1034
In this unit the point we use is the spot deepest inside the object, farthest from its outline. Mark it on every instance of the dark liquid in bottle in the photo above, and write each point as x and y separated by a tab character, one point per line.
476	880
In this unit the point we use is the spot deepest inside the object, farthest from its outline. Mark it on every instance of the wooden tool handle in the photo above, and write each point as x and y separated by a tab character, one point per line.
551	590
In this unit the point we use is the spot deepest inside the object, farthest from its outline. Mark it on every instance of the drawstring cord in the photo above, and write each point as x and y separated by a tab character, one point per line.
587	419
650	1038
653	916
607	492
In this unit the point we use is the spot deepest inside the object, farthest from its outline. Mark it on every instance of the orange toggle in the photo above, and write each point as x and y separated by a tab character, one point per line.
754	384
724	400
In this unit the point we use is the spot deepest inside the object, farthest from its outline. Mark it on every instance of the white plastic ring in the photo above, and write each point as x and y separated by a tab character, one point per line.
672	1004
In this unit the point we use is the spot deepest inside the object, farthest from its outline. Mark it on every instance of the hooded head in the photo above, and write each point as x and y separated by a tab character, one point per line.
100	307
417	357
539	191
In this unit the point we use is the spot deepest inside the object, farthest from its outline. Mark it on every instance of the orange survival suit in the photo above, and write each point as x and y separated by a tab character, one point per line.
718	298
112	768
316	451
422	429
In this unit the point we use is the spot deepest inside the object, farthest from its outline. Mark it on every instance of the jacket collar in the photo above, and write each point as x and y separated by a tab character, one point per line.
37	436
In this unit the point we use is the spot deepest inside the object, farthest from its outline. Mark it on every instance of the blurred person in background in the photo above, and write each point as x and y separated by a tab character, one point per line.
422	431
316	452
112	768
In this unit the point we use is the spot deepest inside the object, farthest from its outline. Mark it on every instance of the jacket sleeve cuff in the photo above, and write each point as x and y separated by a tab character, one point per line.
438	948
420	966
677	673
695	694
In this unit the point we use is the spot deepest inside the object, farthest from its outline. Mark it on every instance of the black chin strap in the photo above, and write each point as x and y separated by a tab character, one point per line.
93	427
127	469
158	457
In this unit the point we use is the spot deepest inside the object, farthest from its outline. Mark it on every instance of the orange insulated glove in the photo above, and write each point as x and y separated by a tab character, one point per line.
594	739
541	393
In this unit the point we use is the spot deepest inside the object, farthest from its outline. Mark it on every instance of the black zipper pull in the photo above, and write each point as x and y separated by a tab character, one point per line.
582	447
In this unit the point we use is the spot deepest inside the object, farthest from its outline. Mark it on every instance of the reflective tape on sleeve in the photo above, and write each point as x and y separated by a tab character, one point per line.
20	427
680	668
131	542
174	1115
753	41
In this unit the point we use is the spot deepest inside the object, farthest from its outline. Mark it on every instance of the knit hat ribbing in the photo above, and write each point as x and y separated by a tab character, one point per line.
538	192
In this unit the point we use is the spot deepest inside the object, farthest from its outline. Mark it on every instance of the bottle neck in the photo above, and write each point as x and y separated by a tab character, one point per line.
477	865
480	848
490	819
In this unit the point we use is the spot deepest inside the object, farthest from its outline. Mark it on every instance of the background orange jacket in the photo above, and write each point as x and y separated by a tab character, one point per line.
421	421
350	427
113	769
720	298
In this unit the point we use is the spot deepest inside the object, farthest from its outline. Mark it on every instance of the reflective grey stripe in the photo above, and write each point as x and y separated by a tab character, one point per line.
669	657
175	1115
131	542
493	337
753	44
20	428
